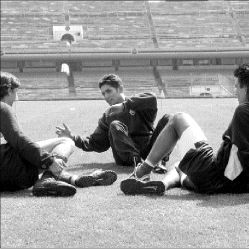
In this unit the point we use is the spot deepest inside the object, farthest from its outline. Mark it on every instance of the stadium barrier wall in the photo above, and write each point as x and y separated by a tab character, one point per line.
125	54
50	61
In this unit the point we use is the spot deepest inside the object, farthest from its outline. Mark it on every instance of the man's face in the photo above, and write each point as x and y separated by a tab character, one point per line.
240	92
111	94
12	96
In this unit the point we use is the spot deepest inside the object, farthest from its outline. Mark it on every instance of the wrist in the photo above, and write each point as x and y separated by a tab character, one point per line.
73	137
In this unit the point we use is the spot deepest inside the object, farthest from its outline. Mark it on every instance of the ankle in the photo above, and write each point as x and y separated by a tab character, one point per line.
47	174
68	178
166	185
143	169
149	163
73	180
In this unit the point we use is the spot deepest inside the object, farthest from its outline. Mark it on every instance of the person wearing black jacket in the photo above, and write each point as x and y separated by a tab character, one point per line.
199	169
127	126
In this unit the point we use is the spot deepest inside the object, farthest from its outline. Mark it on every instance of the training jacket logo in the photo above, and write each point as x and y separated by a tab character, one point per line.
132	112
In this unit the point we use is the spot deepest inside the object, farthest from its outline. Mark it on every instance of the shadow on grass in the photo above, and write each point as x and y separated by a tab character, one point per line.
17	194
221	200
75	169
26	193
89	167
214	201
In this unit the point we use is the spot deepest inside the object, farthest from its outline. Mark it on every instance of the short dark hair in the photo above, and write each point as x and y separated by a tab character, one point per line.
111	80
242	73
8	81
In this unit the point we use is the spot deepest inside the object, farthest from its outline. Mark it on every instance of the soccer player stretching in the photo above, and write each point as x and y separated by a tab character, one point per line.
199	168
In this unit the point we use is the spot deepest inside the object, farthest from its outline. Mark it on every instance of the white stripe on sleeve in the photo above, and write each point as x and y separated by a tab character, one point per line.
233	168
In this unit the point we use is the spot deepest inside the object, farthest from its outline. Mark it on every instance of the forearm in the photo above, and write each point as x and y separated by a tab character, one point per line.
82	143
91	143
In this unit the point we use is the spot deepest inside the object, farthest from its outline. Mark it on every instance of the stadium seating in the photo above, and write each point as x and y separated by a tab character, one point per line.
26	27
35	85
199	25
124	24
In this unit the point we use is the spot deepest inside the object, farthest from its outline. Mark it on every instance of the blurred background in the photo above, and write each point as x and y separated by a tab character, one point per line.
60	49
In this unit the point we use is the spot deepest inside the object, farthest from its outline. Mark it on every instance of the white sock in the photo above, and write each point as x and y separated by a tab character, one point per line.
149	163
73	179
165	184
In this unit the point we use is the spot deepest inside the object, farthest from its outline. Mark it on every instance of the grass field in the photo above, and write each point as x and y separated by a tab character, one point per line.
103	217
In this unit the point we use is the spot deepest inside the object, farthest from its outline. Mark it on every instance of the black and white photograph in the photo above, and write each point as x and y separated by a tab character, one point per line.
124	124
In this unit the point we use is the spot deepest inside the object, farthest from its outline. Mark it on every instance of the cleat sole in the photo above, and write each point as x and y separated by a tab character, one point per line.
136	187
59	191
107	177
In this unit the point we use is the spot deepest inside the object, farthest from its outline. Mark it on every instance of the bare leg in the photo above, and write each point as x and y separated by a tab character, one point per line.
166	141
182	129
169	136
171	179
176	178
61	146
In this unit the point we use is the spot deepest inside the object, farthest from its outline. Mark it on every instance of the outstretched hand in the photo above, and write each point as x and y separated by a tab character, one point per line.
64	131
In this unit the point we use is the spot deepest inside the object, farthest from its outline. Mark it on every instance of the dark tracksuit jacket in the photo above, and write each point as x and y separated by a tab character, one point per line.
138	121
20	158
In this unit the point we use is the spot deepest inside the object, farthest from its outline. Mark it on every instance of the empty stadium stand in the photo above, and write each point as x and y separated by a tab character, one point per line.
127	24
129	38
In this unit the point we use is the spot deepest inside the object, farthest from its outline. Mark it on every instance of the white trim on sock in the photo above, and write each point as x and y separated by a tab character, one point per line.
73	179
149	163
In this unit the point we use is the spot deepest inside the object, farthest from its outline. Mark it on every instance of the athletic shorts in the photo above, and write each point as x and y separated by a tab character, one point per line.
190	136
198	160
200	166
15	172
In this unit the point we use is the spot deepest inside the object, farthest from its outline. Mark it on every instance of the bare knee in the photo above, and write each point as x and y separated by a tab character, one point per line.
181	122
66	140
64	145
179	117
50	144
64	148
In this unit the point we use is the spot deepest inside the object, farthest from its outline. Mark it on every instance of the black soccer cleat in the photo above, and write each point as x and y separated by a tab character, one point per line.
132	186
49	186
97	178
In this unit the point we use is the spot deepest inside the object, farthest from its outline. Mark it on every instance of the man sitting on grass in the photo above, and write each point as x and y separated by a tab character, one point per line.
127	126
22	160
199	169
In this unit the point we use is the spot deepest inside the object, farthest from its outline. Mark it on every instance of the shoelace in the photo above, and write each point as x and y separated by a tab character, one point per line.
144	178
